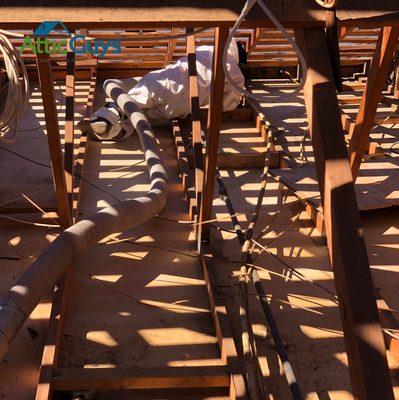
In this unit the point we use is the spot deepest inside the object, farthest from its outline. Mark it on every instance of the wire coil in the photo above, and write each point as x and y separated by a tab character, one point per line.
16	88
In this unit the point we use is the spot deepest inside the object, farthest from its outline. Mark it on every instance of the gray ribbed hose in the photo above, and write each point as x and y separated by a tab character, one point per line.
50	266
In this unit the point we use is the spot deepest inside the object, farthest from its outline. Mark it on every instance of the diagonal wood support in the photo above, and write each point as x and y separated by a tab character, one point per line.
377	76
53	138
360	320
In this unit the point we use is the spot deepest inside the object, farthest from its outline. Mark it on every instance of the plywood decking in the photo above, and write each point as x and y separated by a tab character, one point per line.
35	180
376	186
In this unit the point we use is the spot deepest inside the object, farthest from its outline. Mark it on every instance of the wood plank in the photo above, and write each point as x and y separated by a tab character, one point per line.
371	97
365	347
53	138
195	121
186	174
224	334
171	47
218	308
51	348
81	153
140	378
242	160
333	47
69	126
213	130
375	188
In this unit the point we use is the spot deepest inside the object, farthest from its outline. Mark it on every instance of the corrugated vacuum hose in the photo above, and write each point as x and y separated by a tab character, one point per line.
41	277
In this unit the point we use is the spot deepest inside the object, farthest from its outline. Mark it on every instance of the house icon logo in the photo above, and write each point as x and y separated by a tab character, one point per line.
47	26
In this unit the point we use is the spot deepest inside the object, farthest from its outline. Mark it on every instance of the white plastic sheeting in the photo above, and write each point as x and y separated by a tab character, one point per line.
164	94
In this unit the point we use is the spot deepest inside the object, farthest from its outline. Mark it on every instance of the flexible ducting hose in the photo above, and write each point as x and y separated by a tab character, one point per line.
50	266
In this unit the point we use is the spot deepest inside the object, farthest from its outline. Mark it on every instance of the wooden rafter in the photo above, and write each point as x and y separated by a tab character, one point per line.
69	126
372	95
170	50
50	356
367	360
53	138
81	151
195	120
255	38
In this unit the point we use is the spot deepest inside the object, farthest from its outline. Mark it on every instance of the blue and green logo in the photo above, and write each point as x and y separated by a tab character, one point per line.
43	43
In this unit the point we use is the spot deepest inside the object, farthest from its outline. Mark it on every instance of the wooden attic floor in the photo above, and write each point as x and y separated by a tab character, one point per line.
107	322
140	302
377	186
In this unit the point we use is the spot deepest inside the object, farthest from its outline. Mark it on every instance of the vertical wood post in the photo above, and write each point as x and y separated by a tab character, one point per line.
396	84
69	126
195	122
53	138
62	168
365	346
171	47
213	131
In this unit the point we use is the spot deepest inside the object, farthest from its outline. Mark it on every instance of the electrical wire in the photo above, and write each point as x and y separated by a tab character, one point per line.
247	8
29	222
392	149
249	347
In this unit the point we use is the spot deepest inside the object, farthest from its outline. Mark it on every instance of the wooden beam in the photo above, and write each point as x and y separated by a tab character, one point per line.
256	36
333	47
210	376
52	344
171	47
365	347
54	334
81	152
69	126
217	304
56	322
195	121
377	76
53	138
396	83
186	174
213	131
228	351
